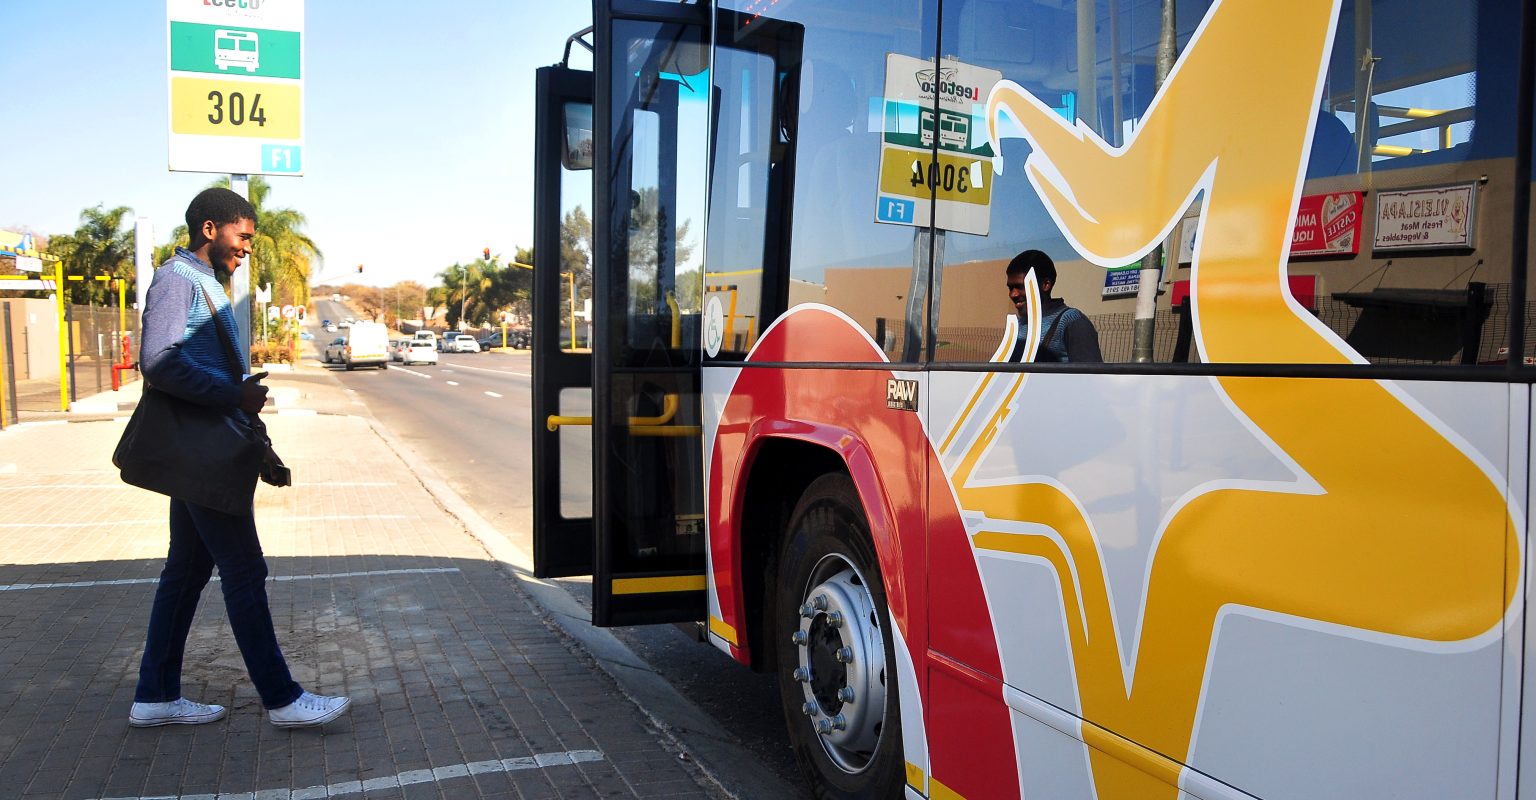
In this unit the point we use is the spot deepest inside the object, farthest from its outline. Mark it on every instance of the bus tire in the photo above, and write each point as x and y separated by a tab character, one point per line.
831	636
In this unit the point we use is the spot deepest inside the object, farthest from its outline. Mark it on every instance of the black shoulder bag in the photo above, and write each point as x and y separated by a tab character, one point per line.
200	454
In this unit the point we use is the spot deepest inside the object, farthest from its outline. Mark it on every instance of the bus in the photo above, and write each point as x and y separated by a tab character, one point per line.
1269	541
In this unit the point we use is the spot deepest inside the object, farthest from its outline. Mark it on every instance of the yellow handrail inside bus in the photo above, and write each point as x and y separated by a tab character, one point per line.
669	408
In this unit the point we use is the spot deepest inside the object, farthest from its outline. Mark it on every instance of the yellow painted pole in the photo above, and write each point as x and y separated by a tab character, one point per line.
58	293
4	413
122	314
572	276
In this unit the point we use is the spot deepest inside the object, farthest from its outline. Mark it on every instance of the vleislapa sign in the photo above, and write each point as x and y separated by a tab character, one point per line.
236	85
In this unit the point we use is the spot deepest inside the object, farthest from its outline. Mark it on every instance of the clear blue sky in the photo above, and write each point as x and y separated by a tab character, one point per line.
418	132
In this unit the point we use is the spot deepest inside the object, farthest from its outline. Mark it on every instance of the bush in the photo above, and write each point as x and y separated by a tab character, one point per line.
272	352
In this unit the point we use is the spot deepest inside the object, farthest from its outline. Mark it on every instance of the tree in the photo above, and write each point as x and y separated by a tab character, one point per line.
651	235
102	245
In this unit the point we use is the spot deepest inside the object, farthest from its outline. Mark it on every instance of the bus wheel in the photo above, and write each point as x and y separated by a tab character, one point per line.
832	645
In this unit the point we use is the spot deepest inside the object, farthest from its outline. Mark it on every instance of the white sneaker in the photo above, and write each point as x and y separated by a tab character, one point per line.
180	711
309	710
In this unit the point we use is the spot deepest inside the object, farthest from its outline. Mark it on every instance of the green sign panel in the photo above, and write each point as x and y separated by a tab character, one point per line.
229	50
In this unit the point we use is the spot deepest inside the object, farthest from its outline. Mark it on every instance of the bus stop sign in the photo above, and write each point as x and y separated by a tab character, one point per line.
236	84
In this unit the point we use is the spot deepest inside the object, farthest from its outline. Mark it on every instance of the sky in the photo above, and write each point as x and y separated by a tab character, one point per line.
418	125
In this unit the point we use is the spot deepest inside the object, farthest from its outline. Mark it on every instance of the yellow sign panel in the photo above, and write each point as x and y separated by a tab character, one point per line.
249	109
956	178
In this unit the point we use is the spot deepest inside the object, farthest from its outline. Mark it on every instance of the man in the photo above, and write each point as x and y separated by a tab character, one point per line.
1067	333
182	353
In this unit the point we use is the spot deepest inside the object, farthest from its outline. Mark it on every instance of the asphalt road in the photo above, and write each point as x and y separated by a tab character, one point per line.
469	417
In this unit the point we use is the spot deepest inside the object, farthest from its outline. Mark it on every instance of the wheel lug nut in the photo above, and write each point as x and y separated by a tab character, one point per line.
819	602
835	619
844	655
845	694
799	638
809	709
808	611
802	675
828	726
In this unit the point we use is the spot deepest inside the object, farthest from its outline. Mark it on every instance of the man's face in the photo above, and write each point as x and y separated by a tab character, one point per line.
1016	284
229	243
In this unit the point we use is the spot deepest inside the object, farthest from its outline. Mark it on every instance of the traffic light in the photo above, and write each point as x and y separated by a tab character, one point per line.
486	253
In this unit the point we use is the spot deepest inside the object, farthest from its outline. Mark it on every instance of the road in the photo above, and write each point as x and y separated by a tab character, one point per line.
469	418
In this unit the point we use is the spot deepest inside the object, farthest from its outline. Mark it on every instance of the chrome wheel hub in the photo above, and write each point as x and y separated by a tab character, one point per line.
841	663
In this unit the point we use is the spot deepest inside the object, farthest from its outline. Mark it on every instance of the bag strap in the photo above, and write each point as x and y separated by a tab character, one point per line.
224	338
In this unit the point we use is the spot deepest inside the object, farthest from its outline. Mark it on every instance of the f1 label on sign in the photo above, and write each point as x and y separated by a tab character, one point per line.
901	395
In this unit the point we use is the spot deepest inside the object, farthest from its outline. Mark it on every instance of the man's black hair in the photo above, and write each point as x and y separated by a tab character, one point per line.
1044	267
222	206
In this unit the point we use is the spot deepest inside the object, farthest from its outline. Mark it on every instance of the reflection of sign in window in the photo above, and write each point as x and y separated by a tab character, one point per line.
1418	219
236	49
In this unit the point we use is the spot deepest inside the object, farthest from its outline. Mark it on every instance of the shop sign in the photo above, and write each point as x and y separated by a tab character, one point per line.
1328	225
1423	219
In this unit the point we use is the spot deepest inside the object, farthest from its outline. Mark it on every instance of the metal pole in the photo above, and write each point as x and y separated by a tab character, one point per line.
7	365
64	337
240	282
1143	331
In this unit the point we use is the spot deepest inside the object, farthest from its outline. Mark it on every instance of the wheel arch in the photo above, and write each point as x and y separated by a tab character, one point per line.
778	471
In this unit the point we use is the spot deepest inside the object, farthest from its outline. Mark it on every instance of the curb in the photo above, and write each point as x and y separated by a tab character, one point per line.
687	728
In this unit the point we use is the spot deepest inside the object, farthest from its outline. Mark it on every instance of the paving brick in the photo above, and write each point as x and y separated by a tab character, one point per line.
445	669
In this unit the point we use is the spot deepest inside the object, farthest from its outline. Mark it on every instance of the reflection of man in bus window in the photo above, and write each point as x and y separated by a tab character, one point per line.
1067	333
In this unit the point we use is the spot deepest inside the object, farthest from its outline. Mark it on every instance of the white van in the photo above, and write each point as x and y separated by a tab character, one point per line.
367	345
425	335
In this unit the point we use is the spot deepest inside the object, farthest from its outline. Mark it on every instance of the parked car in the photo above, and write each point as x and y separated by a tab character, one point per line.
417	351
516	337
464	343
336	351
306	336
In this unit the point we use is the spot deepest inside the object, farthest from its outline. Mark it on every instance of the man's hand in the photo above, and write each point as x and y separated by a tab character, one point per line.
252	397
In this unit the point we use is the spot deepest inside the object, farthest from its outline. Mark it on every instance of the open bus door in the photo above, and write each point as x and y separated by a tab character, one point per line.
644	542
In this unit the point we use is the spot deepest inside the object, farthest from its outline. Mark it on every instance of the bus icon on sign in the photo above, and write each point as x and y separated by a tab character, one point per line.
236	49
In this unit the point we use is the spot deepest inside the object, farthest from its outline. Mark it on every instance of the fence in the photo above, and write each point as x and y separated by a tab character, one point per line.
30	359
1417	327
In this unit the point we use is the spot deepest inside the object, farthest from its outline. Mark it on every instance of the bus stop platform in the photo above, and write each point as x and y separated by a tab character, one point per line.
461	685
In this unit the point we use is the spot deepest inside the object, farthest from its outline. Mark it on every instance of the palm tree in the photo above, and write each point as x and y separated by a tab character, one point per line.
102	245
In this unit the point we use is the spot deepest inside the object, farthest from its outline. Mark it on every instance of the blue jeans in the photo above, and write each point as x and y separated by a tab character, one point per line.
202	538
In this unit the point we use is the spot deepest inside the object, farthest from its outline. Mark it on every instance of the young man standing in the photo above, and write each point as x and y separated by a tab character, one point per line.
1067	333
184	355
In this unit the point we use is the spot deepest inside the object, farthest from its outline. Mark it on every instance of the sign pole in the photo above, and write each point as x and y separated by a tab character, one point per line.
64	337
240	282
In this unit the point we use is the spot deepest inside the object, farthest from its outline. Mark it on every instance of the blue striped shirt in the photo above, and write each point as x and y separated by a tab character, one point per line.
180	351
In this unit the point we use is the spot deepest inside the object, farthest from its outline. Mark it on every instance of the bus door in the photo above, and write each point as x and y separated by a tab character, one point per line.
650	126
562	295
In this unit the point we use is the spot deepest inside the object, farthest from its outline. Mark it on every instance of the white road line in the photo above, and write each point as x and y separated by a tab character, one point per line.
453	383
407	778
492	394
411	372
161	521
16	587
66	486
513	373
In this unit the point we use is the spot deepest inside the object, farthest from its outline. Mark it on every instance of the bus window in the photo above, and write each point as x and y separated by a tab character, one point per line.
797	171
1398	248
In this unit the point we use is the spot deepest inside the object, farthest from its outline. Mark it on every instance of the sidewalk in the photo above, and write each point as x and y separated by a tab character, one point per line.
461	686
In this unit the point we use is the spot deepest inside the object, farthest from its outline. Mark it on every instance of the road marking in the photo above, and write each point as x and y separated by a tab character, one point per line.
513	373
402	779
453	383
161	521
16	587
492	394
411	372
67	486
